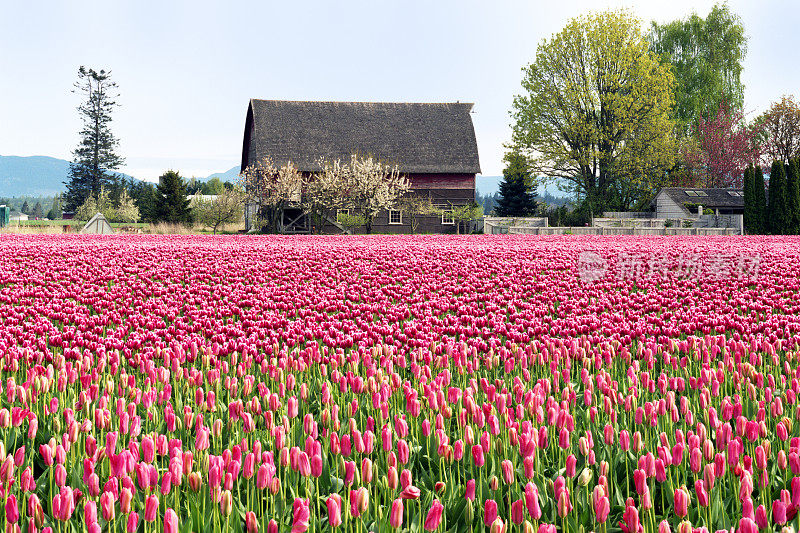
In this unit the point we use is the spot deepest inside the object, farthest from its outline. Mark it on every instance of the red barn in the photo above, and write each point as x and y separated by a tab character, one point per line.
433	144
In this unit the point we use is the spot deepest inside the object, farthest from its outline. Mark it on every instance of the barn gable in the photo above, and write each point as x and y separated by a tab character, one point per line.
419	138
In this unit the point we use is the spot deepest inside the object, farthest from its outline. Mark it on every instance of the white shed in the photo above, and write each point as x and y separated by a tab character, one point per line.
98	225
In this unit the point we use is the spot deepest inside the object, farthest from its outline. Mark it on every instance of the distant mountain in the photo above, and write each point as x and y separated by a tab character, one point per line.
491	184
36	175
230	175
32	176
45	176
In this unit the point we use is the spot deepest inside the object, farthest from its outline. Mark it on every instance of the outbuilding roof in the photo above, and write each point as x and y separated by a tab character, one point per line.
711	198
417	137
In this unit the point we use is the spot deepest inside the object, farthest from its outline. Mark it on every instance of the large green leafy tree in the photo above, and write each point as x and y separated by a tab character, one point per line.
95	157
517	198
595	112
706	56
172	205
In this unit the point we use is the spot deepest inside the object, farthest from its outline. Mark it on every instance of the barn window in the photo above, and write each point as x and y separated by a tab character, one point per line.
340	213
447	218
395	217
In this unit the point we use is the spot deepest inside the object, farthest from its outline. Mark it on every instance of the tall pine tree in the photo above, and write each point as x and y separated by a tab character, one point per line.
760	201
778	219
171	202
792	198
749	200
517	199
95	157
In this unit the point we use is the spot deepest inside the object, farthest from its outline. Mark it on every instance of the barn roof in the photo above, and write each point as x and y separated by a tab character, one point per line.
711	198
417	137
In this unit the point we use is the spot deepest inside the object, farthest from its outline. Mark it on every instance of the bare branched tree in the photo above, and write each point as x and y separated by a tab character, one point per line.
418	206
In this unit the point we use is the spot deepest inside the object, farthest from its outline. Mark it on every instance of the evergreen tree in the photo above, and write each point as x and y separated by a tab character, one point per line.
793	197
55	212
37	212
145	197
26	208
95	155
760	196
778	222
516	196
749	200
171	202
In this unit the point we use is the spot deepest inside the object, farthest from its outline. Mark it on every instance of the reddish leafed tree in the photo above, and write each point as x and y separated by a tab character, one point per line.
724	146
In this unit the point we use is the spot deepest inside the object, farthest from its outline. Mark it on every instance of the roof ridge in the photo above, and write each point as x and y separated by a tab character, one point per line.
458	102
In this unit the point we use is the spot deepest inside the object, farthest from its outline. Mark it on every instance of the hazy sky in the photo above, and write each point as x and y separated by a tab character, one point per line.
186	70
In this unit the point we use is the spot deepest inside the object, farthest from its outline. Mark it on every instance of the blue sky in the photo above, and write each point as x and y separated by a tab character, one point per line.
186	70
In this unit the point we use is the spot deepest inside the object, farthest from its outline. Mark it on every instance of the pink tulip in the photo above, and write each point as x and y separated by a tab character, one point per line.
251	522
170	521
12	509
396	513
132	523
301	515
489	512
107	506
518	511
150	508
470	490
434	517
631	518
334	511
778	512
410	493
532	501
477	456
681	499
601	509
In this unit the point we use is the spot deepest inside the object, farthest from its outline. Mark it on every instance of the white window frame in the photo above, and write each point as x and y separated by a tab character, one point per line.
400	221
342	212
447	218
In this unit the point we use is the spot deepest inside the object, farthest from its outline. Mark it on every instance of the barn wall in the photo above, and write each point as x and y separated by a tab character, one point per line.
442	181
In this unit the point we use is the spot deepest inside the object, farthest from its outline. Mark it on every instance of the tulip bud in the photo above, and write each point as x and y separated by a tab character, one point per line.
151	508
585	478
195	481
498	526
396	513
132	523
250	522
469	512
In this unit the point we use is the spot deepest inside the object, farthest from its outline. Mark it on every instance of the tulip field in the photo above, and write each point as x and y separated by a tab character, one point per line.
567	384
